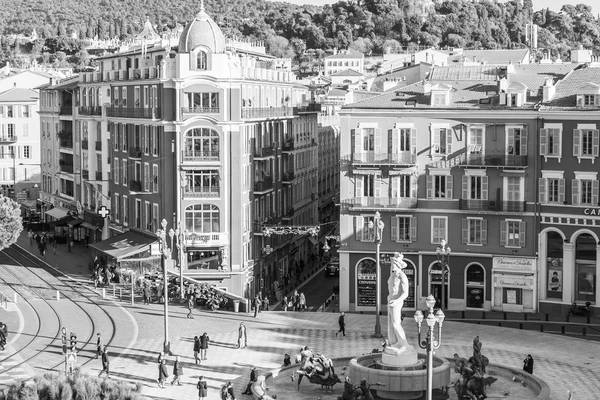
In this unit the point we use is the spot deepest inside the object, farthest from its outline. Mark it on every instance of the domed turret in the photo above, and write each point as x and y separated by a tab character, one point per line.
202	31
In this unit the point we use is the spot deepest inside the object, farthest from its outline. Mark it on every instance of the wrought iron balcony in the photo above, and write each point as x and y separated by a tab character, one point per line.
480	160
264	185
8	138
267	112
90	110
263	152
66	143
66	110
201	156
288	145
135	185
383	202
68	168
134	112
370	157
201	191
206	239
491	205
289	213
135	152
200	110
288	177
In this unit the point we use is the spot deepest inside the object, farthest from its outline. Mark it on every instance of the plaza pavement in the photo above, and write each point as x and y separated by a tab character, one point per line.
564	363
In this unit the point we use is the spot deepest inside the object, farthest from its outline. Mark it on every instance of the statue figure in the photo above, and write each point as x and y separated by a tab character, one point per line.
397	293
478	361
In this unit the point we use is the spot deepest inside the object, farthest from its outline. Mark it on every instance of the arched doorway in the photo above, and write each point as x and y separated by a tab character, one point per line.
475	286
366	285
554	260
435	284
410	272
585	268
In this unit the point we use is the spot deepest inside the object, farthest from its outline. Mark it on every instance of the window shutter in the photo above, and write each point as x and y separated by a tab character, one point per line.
395	186
484	231
435	140
511	141
465	187
393	138
413	229
595	142
542	187
394	229
523	149
377	185
503	99
595	185
576	142
597	100
449	180
561	190
413	141
484	188
377	141
358	227
521	234
575	192
557	142
543	142
448	141
413	186
503	232
358	186
430	186
579	100
465	230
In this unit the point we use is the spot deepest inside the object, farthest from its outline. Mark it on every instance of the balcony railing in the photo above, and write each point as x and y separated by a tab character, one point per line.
90	110
66	110
200	110
136	112
508	160
264	185
491	205
270	112
84	144
385	202
98	146
289	213
370	157
201	156
68	168
136	186
67	143
201	191
263	152
8	138
206	239
135	152
85	174
288	176
98	175
288	145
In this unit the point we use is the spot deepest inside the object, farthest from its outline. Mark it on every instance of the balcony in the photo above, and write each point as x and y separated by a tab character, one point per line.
85	173
90	110
492	205
98	146
289	213
135	152
263	152
206	239
288	145
66	143
264	185
67	168
201	156
288	177
98	175
134	112
200	110
135	186
381	202
508	160
8	138
370	157
84	144
267	112
201	191
66	110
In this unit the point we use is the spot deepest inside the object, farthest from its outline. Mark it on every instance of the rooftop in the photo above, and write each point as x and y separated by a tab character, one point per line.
17	95
347	72
566	89
488	56
347	54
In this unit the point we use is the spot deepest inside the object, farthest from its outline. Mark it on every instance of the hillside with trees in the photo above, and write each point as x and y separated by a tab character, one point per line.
370	26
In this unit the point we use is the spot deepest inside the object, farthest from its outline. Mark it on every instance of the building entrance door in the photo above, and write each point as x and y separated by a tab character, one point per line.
436	290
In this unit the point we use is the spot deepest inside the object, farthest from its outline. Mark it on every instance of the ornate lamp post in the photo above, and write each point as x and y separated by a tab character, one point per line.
443	257
180	235
429	343
378	224
165	252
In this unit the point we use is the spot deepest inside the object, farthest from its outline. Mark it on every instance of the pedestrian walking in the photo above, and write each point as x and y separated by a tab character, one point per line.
161	356
163	374
342	324
266	303
242	338
148	294
190	307
196	349
230	393
54	245
177	372
253	379
302	301
202	388
42	246
99	345
296	300
30	236
105	363
528	364
256	305
204	339
285	303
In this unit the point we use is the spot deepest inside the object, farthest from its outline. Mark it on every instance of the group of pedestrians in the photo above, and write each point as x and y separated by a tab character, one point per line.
296	302
260	303
200	347
41	241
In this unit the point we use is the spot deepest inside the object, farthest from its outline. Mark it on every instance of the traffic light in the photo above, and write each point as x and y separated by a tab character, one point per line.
73	342
64	341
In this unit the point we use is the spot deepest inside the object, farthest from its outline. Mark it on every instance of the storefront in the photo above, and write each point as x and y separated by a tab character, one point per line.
514	284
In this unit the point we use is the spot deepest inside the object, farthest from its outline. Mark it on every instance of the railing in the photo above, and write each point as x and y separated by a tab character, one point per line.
98	175
289	213
136	186
135	152
507	160
66	110
201	156
491	205
270	112
98	146
68	168
312	107
90	110
288	145
201	191
387	202
264	185
67	143
84	144
263	152
8	139
200	110
135	112
206	239
403	157
289	176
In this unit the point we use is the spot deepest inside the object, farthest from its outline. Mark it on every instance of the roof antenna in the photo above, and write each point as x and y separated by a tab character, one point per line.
201	6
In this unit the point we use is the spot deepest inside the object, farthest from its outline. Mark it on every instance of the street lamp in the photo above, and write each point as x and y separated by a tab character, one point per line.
165	252
378	224
180	235
443	255
429	343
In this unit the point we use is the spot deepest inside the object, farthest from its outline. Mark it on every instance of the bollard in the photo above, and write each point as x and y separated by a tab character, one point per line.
120	293
103	293
16	297
57	295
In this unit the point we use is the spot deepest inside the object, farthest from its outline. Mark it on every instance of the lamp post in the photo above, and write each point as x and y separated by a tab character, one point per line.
443	257
165	252
430	343
180	235
378	224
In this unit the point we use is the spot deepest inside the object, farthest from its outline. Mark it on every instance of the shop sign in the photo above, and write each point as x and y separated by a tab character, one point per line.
513	281
591	211
514	263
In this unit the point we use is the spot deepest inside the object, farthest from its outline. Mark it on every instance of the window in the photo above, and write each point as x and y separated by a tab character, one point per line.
201	60
474	231
10	111
512	233
586	142
439	186
439	229
147	216
124	96
368	139
475	187
117	207
402	186
138	213
123	136
26	151
550	142
589	99
203	102
441	141
154	140
147	179
400	140
124	173
155	217
475	142
136	96
26	111
125	211
363	232
404	229
552	187
516	141
201	144
584	189
116	170
553	190
146	96
439	99
203	182
202	218
154	178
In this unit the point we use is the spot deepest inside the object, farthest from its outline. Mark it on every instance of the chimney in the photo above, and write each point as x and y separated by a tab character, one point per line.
426	87
549	90
502	85
510	68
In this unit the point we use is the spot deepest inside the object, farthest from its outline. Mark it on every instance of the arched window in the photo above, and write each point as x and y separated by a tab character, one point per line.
475	286
201	60
366	275
585	260
201	144
202	218
554	257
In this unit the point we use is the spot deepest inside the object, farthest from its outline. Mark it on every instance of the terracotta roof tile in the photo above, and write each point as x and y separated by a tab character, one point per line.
566	90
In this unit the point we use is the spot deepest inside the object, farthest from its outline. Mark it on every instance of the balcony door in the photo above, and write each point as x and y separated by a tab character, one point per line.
513	194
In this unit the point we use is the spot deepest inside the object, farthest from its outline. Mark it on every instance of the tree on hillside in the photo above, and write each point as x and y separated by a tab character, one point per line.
11	223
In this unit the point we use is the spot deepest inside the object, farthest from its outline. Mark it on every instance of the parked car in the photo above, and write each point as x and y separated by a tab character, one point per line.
333	268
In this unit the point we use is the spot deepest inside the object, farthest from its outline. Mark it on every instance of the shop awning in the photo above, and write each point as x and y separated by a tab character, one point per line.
75	222
61	222
29	204
125	244
57	212
89	226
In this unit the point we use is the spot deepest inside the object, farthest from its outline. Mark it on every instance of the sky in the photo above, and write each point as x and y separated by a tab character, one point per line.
554	5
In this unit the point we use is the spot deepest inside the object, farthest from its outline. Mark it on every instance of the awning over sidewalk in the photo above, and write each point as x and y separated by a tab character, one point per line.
57	212
89	226
75	222
125	244
61	222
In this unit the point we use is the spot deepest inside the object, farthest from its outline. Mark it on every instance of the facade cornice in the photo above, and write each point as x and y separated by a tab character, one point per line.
454	113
